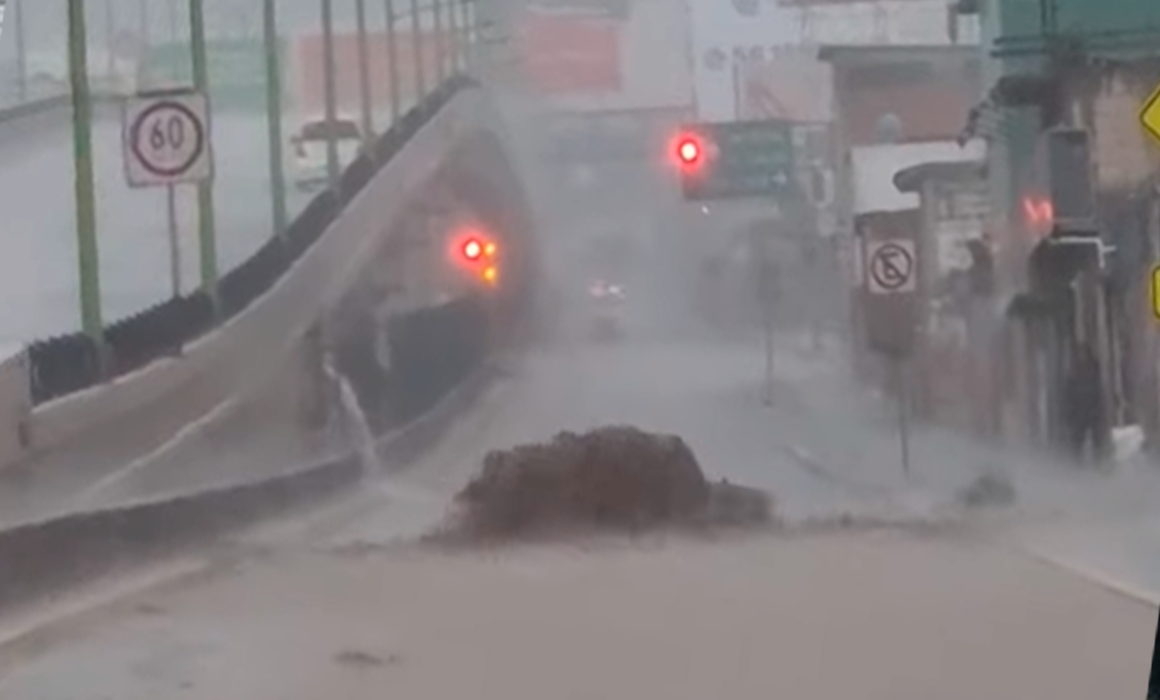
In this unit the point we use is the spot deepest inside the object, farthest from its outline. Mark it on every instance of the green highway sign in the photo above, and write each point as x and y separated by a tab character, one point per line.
735	159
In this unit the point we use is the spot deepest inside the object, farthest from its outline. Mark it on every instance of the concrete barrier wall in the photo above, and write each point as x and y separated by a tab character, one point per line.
239	354
40	560
15	405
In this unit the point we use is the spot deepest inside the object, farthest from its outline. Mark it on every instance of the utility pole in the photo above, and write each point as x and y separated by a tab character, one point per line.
364	76
205	207
393	61
87	255
21	52
274	116
332	168
417	46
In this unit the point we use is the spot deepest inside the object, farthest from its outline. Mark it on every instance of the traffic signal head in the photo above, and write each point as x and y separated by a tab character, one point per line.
688	150
476	254
473	249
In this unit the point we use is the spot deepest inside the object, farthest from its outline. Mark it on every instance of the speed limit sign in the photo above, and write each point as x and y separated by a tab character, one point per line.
166	139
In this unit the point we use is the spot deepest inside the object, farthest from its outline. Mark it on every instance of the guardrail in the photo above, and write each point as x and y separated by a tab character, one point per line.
271	304
40	560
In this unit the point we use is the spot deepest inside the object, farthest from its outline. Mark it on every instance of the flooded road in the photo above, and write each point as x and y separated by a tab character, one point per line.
340	603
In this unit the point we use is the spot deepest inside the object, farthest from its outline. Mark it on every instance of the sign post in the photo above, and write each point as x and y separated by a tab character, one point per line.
174	242
166	142
892	271
769	292
903	412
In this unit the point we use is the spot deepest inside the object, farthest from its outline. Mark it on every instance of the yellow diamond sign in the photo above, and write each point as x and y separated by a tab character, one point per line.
1150	114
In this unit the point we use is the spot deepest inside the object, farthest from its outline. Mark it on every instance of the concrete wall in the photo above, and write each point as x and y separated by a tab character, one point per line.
170	393
15	405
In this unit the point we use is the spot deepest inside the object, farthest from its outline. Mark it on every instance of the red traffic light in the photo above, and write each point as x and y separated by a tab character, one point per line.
688	150
472	249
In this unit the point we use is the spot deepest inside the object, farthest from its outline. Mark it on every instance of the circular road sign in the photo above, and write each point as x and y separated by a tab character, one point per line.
892	268
168	139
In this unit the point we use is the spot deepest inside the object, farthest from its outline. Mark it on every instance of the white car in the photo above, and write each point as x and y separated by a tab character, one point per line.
310	149
606	311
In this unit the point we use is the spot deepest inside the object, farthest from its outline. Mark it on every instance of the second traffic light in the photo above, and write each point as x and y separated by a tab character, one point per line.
733	159
689	150
478	254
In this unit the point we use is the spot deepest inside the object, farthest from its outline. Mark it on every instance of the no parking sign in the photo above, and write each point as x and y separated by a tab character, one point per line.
891	266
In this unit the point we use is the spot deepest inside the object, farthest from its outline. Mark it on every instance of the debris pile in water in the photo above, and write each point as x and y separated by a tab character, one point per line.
611	478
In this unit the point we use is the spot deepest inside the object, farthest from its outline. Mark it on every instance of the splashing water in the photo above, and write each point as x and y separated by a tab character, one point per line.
353	411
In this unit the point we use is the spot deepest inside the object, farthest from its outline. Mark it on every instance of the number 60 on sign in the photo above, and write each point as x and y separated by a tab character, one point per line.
166	139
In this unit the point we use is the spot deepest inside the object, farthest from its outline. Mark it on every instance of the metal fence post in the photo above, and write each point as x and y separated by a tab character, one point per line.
205	206
417	47
274	116
440	56
21	52
392	61
87	254
453	34
364	77
332	167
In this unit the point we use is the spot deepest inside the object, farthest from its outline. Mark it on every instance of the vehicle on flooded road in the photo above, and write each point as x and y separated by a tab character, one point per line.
310	150
606	320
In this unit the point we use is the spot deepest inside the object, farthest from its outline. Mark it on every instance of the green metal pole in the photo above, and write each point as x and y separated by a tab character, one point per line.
174	32
88	257
364	74
143	14
469	34
110	30
417	46
453	34
143	42
332	168
21	52
393	62
274	116
440	65
205	207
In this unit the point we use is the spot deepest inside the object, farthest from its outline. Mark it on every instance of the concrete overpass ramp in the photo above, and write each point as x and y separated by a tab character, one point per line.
174	377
